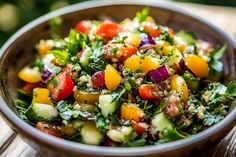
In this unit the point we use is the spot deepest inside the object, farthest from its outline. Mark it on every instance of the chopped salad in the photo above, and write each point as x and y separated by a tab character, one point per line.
127	84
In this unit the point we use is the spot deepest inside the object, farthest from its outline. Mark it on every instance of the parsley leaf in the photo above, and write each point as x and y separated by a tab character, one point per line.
231	91
170	135
142	15
215	55
62	56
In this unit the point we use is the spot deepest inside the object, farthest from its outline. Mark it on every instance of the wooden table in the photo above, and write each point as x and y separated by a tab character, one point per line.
11	145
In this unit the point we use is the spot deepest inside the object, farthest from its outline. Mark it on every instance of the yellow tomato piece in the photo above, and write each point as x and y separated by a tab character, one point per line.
86	97
197	65
31	75
132	39
112	77
41	95
145	63
179	85
131	112
44	46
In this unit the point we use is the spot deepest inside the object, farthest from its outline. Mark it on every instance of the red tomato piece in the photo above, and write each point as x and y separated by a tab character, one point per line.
61	86
150	92
49	128
108	29
28	87
154	32
83	26
127	52
139	129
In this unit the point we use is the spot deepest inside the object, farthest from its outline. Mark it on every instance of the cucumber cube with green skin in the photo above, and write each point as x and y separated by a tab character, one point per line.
107	104
188	37
174	57
41	112
161	122
90	134
192	81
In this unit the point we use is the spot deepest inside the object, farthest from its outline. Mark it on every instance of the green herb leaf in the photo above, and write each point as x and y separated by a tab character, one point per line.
62	56
215	55
170	135
142	15
231	91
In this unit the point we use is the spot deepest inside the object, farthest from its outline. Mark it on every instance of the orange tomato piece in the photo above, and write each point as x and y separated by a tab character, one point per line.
112	77
131	112
179	85
197	65
41	95
145	63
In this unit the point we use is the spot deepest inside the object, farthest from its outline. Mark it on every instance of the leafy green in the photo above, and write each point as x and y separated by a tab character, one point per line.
170	135
67	112
56	26
142	15
102	123
76	42
211	119
62	56
215	55
231	91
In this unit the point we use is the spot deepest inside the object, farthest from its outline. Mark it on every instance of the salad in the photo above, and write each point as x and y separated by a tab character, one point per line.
127	84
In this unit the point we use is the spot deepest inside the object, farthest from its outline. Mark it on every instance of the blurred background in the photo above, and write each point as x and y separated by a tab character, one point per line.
16	13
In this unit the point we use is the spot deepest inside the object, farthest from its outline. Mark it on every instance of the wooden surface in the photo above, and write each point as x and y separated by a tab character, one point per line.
11	144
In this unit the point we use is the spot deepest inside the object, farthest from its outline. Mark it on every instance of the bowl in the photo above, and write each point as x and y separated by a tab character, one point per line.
17	52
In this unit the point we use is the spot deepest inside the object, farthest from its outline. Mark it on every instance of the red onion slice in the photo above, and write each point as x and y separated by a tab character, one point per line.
146	40
158	75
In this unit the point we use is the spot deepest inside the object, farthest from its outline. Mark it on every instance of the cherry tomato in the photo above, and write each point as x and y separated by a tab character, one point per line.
108	29
61	86
150	92
153	31
127	52
139	129
49	128
83	26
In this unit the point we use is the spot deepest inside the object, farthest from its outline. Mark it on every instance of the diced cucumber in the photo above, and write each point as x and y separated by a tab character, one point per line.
41	112
192	81
87	107
107	104
174	57
116	135
188	37
84	59
90	134
160	122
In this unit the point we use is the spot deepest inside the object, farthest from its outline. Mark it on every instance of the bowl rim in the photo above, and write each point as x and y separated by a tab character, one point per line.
40	137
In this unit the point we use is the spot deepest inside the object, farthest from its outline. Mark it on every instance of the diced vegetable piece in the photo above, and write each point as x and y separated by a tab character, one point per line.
140	128
83	26
46	75
146	40
28	87
132	39
159	74
197	65
41	112
41	95
86	97
145	63
68	130
44	47
125	52
112	78
115	135
161	122
98	79
108	29
31	75
150	92
49	128
90	134
61	86
152	29
107	104
175	57
179	85
84	58
131	112
186	36
192	81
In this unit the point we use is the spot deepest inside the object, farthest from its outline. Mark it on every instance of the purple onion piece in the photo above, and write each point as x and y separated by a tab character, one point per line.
182	64
158	75
146	40
46	75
